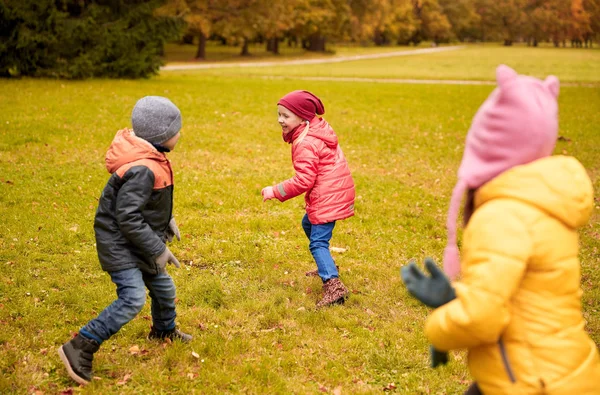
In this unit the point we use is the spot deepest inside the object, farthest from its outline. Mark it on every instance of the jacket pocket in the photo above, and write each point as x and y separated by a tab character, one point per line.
505	361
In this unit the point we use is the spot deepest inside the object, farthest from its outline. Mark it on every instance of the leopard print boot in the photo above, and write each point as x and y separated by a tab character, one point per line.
334	292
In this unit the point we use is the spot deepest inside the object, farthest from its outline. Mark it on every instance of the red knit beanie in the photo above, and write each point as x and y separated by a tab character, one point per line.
303	103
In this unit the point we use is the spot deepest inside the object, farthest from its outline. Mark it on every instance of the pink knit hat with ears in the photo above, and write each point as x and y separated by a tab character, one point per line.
517	124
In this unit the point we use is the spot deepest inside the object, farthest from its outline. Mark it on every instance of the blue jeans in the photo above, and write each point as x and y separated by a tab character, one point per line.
131	298
319	236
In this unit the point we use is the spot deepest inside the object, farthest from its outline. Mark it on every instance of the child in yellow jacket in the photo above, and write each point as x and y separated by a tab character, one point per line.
517	308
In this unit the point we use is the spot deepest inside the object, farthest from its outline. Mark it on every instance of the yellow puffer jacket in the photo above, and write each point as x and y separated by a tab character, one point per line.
518	305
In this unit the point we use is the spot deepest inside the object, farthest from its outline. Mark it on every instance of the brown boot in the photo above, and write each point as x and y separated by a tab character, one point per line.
334	292
315	273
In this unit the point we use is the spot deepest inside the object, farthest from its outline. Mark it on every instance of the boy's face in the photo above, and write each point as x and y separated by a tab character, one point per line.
287	119
170	143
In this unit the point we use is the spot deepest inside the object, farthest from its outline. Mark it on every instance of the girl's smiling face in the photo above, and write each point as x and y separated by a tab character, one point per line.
287	119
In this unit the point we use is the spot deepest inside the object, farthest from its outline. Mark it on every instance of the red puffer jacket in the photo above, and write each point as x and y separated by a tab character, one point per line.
322	172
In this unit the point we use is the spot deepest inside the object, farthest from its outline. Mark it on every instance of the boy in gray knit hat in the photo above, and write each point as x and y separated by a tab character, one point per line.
132	225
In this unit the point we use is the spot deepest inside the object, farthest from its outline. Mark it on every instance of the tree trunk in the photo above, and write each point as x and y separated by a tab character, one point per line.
507	42
201	51
273	45
316	43
245	51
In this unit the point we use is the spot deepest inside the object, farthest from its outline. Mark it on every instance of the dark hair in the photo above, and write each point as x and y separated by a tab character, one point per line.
469	206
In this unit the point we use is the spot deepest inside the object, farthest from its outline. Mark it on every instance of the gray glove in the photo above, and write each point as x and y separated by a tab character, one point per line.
166	257
437	357
434	290
173	231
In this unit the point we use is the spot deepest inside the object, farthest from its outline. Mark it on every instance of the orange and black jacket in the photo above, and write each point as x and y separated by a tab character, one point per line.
136	205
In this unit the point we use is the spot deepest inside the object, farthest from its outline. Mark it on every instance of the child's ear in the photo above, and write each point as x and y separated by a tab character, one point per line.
551	82
504	74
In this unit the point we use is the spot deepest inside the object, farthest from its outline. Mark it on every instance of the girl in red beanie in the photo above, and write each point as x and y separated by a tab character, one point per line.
323	174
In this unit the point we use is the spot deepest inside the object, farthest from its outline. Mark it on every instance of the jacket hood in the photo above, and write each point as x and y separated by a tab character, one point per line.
319	128
126	147
558	185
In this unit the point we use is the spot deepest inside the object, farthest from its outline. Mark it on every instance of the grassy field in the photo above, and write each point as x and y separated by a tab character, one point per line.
215	52
242	291
476	62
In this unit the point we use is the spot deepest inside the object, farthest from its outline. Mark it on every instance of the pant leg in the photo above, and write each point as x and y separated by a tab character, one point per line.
131	297
162	292
307	226
319	247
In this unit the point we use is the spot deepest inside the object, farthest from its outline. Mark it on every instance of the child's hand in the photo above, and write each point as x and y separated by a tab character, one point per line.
433	291
173	231
166	257
267	193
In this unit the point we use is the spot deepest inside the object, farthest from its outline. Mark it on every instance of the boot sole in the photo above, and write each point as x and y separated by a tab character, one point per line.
339	301
70	370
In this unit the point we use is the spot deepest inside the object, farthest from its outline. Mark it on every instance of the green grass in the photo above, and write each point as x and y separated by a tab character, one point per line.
475	62
242	292
215	52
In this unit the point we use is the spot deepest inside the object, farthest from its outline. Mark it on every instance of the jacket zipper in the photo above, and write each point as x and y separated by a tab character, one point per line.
172	193
507	367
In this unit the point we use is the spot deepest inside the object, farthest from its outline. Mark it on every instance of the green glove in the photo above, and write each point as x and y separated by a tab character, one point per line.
433	291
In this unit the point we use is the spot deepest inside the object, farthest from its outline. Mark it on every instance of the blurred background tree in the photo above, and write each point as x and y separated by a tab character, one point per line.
126	38
83	38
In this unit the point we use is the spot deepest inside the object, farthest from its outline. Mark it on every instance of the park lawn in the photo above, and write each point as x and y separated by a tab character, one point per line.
472	62
242	291
176	53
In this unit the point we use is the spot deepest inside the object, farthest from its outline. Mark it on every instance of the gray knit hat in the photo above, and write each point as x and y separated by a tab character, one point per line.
155	119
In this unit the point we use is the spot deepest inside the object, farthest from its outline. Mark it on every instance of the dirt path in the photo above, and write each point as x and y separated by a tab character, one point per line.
384	80
337	59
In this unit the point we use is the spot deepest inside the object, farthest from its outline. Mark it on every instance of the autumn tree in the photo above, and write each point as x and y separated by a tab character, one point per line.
432	23
579	24
463	18
381	21
592	7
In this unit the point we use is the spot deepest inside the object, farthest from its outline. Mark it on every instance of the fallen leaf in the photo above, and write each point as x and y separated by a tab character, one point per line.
338	249
134	350
389	387
337	391
195	355
125	379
